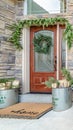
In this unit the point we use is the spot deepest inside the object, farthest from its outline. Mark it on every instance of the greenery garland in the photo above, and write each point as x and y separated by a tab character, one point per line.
42	43
17	29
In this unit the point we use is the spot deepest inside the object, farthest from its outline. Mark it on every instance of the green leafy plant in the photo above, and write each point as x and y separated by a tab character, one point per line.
45	22
42	43
66	76
50	81
8	83
4	80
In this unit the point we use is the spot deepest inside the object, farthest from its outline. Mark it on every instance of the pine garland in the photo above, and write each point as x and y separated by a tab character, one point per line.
17	29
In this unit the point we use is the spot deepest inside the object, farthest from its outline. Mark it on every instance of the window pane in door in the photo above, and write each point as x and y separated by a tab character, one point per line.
45	62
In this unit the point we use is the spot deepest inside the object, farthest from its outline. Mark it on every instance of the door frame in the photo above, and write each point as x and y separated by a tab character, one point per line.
26	59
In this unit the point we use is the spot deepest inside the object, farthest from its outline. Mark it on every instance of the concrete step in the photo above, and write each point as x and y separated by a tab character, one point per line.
39	98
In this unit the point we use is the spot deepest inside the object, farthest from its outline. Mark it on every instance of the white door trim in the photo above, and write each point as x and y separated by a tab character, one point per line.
58	51
26	60
66	56
58	54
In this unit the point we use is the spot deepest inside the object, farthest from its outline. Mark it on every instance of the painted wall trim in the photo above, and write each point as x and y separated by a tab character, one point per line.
26	61
58	51
66	56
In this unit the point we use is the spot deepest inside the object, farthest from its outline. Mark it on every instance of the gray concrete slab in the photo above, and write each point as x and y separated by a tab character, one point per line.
50	121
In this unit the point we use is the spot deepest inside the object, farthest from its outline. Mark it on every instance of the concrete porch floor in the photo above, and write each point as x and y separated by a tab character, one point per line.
50	121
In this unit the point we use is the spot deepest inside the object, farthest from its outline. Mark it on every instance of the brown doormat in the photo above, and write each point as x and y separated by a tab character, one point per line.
26	110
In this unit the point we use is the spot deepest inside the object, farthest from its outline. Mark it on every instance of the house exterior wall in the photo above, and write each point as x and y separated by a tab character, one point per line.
70	52
68	15
7	50
20	16
11	61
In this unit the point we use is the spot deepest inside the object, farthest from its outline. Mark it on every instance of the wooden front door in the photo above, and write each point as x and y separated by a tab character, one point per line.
42	66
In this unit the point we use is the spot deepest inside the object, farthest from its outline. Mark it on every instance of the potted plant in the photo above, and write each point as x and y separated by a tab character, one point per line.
61	91
8	92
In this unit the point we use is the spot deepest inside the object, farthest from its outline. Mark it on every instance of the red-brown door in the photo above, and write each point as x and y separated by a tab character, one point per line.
42	66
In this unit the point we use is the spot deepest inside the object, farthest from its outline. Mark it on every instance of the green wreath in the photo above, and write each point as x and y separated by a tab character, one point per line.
42	43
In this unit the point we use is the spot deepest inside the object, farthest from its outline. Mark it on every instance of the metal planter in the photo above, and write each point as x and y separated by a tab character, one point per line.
61	98
8	97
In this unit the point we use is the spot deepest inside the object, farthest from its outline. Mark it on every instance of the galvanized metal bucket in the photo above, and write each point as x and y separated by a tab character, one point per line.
61	98
8	97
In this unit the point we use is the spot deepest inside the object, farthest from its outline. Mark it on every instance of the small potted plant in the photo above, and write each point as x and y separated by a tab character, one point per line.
61	91
8	92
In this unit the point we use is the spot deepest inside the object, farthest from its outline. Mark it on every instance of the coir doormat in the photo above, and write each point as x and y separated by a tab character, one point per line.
26	110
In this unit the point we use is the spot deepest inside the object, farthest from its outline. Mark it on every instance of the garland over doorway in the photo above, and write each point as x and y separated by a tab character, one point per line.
45	22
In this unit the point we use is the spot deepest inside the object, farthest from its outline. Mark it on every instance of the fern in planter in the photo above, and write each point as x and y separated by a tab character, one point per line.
68	76
52	81
8	83
67	80
4	80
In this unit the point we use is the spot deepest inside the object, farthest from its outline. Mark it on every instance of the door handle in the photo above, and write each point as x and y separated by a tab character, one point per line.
55	63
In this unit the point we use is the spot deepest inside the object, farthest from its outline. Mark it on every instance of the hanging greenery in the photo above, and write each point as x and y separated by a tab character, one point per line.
17	29
42	43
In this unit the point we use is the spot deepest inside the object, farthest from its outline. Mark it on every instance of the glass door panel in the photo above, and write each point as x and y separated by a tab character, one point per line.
44	62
